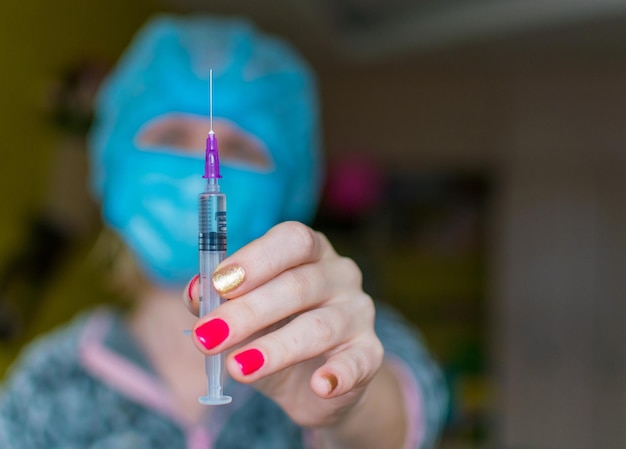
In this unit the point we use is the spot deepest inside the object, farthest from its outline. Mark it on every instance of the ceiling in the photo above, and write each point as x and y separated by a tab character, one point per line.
377	29
429	25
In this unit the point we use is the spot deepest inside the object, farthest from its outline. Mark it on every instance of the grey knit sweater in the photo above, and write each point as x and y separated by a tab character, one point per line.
87	386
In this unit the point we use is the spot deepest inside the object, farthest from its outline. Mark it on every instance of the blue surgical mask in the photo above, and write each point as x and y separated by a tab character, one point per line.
260	84
152	203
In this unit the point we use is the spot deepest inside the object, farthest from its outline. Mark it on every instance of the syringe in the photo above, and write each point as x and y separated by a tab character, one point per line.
212	249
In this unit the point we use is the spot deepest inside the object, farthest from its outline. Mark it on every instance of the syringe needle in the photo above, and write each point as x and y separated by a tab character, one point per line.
211	100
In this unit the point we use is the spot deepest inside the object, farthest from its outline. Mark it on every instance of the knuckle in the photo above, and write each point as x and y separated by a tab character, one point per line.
304	238
356	367
298	285
324	331
378	351
323	240
361	310
367	360
351	273
369	310
281	348
246	311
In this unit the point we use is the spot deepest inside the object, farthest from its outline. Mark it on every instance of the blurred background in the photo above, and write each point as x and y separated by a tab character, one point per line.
476	158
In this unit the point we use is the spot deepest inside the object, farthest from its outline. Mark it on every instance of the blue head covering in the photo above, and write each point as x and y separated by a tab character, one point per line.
260	83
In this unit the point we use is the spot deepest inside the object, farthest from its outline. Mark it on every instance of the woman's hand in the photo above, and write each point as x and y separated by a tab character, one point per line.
297	324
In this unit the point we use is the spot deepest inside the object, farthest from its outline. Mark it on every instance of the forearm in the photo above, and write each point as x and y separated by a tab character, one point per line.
378	420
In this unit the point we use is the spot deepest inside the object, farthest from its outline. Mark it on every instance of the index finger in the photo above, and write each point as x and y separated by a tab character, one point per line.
286	245
191	295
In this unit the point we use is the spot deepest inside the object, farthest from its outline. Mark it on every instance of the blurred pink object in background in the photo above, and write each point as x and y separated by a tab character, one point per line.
354	186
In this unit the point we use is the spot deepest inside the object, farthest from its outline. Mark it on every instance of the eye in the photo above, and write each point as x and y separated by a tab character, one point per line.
188	133
240	149
175	132
171	136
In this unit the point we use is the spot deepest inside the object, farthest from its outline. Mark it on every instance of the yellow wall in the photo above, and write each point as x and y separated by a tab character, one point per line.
40	39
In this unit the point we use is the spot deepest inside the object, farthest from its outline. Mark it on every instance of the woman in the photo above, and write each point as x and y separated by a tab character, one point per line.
312	362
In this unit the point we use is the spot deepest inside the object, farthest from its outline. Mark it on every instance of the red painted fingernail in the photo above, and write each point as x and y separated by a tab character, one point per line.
249	361
212	333
191	286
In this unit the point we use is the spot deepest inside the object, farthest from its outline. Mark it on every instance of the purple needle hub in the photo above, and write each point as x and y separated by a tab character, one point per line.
212	160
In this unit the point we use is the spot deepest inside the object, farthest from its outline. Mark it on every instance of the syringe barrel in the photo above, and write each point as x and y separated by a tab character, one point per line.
215	371
212	250
212	221
212	245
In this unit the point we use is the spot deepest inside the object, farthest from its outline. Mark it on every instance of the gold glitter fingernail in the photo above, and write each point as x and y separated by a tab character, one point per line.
228	278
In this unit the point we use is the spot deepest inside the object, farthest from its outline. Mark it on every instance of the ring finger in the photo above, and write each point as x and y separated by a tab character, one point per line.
305	337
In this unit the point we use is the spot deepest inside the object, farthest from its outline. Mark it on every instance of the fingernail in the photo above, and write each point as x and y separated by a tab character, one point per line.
332	382
249	361
212	333
228	278
191	286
